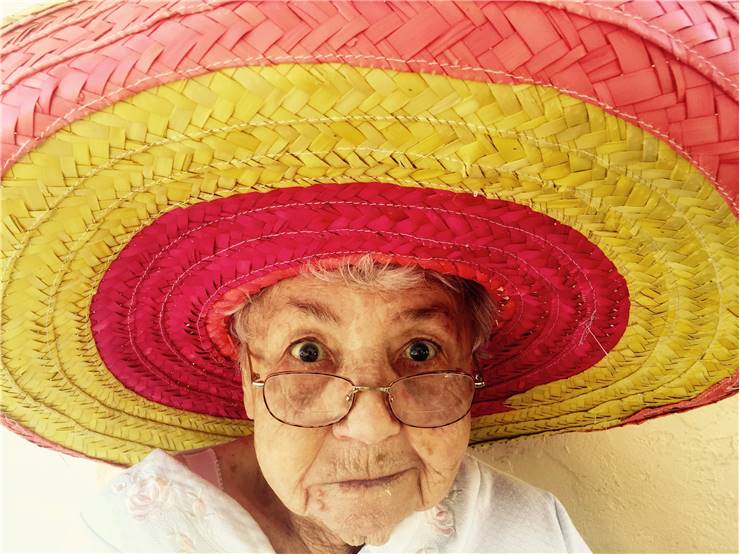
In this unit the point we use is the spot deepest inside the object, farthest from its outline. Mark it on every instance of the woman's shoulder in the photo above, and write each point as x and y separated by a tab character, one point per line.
516	515
502	488
160	504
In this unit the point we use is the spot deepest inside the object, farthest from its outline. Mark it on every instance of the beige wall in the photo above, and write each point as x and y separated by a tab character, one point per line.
667	485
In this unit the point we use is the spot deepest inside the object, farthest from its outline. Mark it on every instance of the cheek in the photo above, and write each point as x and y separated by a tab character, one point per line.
285	454
441	451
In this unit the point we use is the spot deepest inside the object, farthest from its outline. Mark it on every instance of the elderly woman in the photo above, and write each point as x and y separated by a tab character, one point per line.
360	390
359	379
286	260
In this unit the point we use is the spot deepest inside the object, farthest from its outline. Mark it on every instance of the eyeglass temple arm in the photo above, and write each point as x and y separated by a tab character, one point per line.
255	383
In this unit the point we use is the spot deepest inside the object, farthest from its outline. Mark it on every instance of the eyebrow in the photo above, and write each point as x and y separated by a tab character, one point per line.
427	313
316	309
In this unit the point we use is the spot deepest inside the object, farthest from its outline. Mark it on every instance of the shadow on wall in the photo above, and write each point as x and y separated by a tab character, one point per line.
669	485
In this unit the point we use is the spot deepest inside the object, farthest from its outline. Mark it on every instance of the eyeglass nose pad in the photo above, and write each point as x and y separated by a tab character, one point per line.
351	395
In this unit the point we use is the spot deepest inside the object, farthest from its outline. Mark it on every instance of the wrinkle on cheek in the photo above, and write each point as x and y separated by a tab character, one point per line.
318	499
286	455
441	450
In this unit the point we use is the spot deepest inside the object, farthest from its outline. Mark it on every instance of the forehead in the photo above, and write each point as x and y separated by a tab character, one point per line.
303	293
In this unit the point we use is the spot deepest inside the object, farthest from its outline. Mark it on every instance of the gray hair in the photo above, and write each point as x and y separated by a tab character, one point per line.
367	273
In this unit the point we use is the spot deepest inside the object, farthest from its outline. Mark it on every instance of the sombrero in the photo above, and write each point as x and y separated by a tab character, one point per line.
162	161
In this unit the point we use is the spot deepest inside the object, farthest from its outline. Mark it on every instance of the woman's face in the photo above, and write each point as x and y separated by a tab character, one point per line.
371	338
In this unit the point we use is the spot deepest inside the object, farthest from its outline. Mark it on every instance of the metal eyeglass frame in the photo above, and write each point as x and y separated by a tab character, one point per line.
260	384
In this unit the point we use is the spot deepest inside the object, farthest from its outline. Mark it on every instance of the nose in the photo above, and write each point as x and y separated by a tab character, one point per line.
369	421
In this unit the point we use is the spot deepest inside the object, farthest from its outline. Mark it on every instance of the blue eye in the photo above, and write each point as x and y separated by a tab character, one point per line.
307	351
420	351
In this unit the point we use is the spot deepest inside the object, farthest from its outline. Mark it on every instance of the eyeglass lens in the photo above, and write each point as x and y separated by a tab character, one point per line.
314	400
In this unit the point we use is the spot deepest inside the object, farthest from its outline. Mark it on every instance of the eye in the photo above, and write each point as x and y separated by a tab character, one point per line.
420	351
307	351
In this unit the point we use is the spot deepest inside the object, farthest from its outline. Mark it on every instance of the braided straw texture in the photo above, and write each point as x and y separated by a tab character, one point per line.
669	67
115	113
664	227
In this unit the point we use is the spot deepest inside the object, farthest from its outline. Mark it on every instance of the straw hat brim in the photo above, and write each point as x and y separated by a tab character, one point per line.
629	199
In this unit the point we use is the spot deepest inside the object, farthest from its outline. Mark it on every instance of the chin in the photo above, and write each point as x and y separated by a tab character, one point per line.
376	538
365	530
363	522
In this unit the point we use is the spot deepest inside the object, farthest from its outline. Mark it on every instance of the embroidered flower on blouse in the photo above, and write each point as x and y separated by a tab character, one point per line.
183	543
146	494
444	520
121	483
442	516
199	508
194	506
453	496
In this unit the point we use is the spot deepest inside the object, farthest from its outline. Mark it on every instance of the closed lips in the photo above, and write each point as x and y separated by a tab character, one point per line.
382	480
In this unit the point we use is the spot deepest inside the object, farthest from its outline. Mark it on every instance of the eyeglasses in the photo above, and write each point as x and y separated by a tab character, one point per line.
314	400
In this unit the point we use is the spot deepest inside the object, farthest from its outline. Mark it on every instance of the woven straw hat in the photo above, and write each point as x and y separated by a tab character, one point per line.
161	160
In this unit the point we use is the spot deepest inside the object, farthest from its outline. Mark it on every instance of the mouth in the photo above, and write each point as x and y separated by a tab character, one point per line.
375	482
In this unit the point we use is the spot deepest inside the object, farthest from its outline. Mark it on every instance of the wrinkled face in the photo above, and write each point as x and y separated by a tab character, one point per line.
371	338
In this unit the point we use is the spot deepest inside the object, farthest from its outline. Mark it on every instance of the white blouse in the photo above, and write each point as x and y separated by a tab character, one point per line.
159	505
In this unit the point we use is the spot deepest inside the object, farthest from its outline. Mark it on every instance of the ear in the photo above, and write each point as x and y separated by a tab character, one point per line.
247	389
